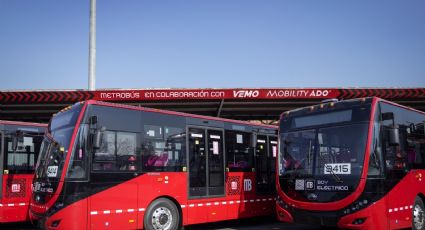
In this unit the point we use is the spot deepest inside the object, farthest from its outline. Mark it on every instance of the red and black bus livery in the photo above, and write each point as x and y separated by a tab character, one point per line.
19	146
355	164
106	165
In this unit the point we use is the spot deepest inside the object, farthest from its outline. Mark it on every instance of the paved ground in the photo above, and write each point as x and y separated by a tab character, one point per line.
263	223
268	223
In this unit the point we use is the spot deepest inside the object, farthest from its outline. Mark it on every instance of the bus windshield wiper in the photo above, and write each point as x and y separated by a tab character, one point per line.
336	177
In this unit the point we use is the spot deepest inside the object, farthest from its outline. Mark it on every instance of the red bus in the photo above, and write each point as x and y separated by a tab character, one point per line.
19	146
111	166
355	164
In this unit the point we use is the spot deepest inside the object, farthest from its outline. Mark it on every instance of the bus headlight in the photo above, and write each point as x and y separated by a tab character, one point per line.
356	206
281	203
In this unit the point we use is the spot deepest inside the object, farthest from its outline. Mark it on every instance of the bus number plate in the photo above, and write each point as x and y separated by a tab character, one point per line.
52	171
337	168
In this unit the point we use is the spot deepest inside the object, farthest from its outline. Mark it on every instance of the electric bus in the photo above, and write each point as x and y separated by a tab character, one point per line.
355	164
19	146
112	166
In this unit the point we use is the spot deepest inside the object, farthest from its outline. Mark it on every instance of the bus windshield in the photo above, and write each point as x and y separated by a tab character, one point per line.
56	143
311	152
325	148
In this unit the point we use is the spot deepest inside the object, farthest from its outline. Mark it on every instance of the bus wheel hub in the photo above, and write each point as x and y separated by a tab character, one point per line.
418	217
162	218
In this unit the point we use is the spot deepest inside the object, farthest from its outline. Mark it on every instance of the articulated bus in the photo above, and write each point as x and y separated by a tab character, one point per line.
356	164
111	166
19	146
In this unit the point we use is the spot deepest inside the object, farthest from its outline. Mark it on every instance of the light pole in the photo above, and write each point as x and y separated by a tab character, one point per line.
92	46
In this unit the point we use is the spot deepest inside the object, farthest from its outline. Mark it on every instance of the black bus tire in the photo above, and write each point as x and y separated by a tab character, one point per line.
163	214
418	214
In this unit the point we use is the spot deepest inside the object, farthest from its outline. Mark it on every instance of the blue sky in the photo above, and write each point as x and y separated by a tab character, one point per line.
213	44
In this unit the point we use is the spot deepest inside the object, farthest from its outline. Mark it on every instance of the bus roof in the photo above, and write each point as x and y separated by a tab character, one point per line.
363	99
3	122
401	106
95	102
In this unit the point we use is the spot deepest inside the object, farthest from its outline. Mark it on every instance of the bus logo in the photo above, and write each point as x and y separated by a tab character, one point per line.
246	93
16	187
309	185
234	185
299	185
247	185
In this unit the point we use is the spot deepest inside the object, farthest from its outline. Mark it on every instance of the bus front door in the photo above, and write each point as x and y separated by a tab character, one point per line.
206	174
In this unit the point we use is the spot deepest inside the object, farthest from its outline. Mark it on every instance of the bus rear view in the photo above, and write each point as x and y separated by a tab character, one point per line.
19	146
352	164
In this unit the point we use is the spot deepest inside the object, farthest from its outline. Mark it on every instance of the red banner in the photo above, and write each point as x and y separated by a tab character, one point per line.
71	96
202	94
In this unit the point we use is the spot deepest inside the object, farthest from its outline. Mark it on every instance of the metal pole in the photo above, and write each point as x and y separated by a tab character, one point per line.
92	46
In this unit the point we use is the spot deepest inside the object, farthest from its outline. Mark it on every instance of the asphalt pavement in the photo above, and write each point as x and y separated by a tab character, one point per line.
258	223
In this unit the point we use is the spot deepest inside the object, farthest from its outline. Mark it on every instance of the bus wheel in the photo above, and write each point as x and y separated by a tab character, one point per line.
418	218
162	214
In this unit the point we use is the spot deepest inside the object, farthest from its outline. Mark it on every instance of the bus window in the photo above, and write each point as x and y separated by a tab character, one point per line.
117	152
22	159
77	168
415	145
409	152
163	148
239	152
375	160
126	151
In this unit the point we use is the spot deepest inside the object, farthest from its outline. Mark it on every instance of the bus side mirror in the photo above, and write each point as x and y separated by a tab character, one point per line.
387	116
393	137
17	138
97	142
423	127
14	143
93	122
253	140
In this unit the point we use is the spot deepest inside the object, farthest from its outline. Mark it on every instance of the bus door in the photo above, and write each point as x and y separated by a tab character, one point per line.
206	173
273	154
265	164
262	165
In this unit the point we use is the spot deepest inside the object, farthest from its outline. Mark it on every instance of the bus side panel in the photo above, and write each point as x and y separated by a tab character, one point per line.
376	217
115	208
162	184
243	199
197	212
393	211
402	197
244	191
15	197
71	217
